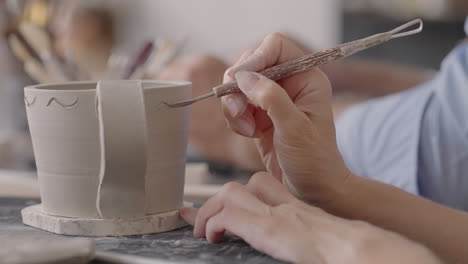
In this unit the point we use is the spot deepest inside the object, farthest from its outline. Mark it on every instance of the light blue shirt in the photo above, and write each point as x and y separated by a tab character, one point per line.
416	140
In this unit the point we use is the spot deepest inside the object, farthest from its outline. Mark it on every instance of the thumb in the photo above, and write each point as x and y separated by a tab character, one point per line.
269	96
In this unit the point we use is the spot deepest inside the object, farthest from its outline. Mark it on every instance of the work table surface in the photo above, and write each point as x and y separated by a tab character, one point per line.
178	246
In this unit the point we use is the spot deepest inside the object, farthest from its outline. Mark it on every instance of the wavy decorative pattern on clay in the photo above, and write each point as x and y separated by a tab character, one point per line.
28	103
67	106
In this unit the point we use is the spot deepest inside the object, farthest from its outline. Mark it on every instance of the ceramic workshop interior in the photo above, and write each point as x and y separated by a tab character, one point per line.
99	152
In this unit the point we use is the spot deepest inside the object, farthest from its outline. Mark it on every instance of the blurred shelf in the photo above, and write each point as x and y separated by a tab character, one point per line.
426	49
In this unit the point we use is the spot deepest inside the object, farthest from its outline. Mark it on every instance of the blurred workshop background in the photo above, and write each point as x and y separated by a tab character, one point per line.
64	40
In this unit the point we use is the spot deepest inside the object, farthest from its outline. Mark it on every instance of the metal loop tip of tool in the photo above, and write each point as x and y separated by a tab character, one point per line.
396	33
191	101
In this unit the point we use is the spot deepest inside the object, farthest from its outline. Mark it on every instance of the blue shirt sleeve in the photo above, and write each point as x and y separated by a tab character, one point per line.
416	140
379	138
443	150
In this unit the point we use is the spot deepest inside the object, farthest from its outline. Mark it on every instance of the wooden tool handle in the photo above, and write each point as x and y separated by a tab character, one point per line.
287	69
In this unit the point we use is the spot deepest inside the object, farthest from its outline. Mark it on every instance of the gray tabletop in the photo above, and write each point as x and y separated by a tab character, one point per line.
177	246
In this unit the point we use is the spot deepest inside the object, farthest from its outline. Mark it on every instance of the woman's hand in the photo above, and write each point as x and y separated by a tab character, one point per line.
291	119
273	221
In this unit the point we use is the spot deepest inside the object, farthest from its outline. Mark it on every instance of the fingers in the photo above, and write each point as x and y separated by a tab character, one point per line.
266	233
262	191
228	75
235	220
235	104
268	189
189	215
244	124
308	88
271	97
275	49
244	212
238	221
233	195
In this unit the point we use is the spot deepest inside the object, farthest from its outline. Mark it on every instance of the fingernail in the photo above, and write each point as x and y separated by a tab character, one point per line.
245	126
235	104
246	80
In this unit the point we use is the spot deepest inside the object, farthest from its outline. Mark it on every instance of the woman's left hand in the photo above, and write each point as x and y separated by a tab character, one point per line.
273	221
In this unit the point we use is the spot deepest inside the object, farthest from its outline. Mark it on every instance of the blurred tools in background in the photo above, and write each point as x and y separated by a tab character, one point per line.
146	61
57	48
32	66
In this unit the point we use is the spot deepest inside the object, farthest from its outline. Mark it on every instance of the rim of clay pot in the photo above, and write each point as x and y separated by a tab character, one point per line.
91	85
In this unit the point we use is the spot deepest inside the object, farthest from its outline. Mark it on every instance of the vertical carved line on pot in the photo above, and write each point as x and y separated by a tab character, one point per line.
67	106
96	107
28	103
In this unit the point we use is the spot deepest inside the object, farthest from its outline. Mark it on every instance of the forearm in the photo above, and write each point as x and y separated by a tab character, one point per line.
371	78
381	246
443	230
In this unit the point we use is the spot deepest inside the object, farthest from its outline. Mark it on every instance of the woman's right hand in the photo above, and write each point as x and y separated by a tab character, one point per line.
291	119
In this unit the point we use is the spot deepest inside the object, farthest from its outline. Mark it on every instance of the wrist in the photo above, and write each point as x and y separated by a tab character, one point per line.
380	246
350	239
331	191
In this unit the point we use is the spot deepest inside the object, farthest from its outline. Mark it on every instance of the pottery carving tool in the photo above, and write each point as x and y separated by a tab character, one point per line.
19	49
139	60
41	42
31	66
166	52
37	72
26	45
310	61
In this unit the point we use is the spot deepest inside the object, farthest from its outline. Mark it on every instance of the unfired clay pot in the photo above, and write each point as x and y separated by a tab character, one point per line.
108	150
